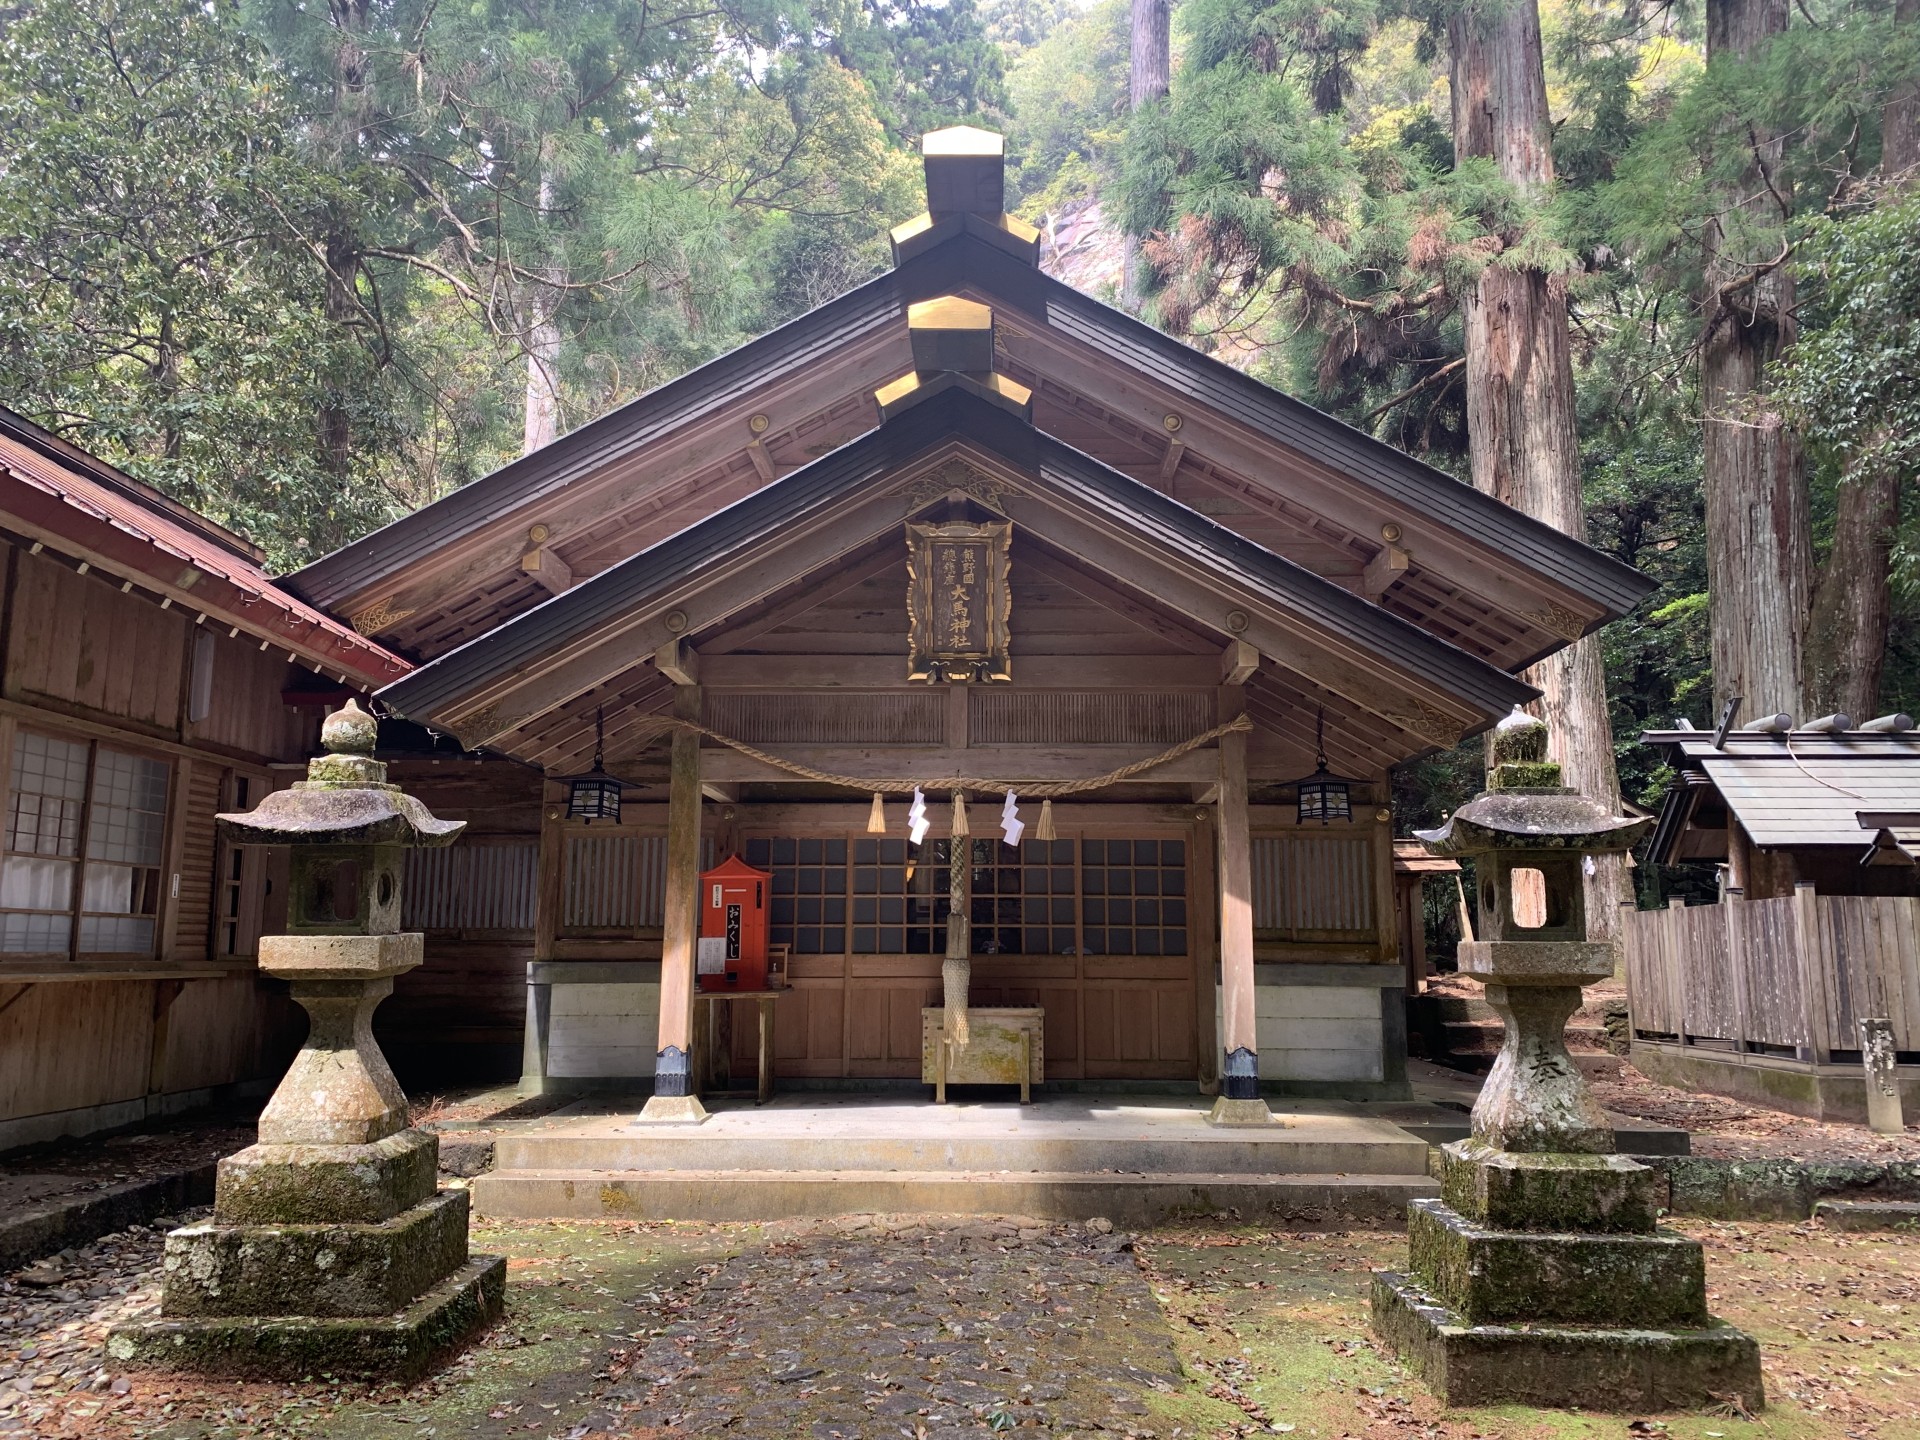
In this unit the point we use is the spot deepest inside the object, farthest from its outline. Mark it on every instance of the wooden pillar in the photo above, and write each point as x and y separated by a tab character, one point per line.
549	876
674	1098
1239	1102
1203	891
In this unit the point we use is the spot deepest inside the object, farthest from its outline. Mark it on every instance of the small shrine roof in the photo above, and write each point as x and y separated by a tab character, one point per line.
60	496
1792	788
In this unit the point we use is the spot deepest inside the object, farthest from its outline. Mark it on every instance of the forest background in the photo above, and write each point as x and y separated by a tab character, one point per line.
308	264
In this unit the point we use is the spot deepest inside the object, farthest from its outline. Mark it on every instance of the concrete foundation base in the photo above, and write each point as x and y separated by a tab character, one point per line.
1564	1366
1834	1093
672	1110
1240	1112
400	1347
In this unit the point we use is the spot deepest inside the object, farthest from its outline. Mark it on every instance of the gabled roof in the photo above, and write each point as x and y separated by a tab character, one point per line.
450	690
1786	789
1507	540
59	496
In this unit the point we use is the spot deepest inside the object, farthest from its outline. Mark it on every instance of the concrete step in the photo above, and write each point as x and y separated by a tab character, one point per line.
1306	1144
1868	1214
1129	1200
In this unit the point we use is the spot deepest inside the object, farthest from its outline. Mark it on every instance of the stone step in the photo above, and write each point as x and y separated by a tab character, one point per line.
1473	1037
1308	1144
1125	1199
1597	1065
1868	1214
1455	1007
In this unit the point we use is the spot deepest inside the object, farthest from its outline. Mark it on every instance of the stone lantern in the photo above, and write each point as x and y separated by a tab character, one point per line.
331	1250
1540	1275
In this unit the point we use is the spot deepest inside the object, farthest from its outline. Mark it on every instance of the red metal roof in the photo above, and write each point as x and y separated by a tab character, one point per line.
74	503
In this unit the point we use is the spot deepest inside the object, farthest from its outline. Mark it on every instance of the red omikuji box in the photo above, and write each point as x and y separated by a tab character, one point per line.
733	926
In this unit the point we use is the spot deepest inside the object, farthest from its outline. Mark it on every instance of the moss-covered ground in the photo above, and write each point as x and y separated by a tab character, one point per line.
649	1331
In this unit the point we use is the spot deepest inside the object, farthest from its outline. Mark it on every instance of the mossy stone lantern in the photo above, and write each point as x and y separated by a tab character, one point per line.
1530	838
331	1249
1540	1275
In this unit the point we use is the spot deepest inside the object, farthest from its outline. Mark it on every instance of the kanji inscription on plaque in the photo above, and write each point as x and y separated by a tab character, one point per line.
957	600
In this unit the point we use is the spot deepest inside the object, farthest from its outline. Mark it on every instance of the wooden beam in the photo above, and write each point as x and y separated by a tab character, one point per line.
888	672
1238	662
1384	571
509	701
546	567
821	590
1058	568
1014	764
761	461
1170	464
678	661
1340	665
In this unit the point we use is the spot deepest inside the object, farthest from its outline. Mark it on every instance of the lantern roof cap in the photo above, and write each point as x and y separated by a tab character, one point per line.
1543	818
345	799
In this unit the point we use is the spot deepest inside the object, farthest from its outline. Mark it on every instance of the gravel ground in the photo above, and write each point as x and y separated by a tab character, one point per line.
73	1169
925	1329
912	1329
54	1317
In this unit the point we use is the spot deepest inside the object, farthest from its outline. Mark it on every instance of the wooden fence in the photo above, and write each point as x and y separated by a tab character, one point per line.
1791	976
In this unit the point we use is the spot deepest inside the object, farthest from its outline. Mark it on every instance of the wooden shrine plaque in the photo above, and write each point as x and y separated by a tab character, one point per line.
958	602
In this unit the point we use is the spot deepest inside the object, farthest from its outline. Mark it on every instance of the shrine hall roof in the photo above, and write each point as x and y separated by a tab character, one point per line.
964	261
1226	560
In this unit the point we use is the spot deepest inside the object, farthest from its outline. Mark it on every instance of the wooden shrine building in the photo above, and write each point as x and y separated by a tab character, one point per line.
961	524
151	674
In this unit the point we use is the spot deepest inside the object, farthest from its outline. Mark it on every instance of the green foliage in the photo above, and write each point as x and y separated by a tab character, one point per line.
1853	382
1068	92
158	300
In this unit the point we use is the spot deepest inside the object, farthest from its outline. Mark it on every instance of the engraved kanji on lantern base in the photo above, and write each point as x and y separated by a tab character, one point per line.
331	1251
1540	1275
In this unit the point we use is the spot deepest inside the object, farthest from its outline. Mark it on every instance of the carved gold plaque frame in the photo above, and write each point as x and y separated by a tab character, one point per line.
958	601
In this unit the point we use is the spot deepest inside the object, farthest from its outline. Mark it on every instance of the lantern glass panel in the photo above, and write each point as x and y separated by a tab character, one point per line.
1324	799
594	797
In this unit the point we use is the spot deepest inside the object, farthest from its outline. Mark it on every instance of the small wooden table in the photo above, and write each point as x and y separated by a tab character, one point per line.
710	1033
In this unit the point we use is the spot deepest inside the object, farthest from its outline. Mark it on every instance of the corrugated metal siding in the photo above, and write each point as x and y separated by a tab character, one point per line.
1314	883
915	717
1087	717
1813	801
481	884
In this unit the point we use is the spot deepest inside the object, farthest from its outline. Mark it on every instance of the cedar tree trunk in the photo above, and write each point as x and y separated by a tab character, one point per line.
1853	601
1150	66
1520	420
1759	545
543	344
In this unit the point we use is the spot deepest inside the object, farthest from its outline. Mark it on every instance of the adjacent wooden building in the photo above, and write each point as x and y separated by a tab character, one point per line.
727	584
1818	923
151	674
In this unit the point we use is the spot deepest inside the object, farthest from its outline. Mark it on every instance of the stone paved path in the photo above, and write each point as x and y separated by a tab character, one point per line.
908	1329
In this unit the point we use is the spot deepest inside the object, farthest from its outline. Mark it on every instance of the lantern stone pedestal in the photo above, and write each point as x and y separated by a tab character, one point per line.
1540	1275
331	1250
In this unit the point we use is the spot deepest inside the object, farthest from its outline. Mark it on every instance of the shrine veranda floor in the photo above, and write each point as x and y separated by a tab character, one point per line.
879	1328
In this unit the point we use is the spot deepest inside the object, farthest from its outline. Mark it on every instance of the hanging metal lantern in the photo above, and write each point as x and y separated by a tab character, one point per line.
596	794
1324	796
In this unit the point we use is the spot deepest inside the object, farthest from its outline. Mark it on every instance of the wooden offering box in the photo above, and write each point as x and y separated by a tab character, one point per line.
1006	1047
